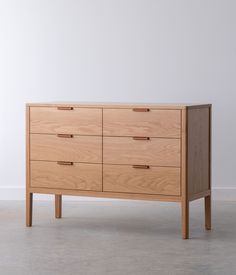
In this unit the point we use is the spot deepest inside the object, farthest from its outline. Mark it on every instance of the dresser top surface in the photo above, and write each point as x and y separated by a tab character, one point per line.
119	105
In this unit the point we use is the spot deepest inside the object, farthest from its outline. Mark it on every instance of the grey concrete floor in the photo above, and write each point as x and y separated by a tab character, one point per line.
116	237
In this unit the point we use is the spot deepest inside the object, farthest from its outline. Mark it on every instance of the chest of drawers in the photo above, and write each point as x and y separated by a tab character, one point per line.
128	151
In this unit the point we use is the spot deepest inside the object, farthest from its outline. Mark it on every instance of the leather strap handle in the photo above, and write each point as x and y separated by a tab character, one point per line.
141	138
141	109
65	108
141	166
64	136
65	163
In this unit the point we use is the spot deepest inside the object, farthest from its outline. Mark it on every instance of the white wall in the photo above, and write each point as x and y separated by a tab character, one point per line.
116	50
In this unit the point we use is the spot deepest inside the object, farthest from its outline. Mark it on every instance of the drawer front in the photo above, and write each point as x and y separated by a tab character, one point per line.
155	180
132	122
156	151
66	148
79	176
80	121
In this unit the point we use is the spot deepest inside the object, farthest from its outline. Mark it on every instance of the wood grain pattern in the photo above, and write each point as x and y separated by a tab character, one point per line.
155	180
155	123
81	121
77	176
156	151
149	151
109	105
115	195
76	149
198	150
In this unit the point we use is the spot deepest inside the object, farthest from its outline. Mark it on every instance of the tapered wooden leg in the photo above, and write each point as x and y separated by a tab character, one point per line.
208	212
58	206
185	219
29	208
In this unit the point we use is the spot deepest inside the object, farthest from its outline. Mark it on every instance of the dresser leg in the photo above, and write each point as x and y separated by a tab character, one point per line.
208	212
185	219
58	206
29	208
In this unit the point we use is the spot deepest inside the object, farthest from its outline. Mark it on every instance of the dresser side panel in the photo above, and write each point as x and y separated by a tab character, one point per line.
198	163
27	148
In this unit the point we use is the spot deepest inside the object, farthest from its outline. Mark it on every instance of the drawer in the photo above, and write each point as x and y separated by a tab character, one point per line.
80	121
66	148
155	151
79	176
133	122
154	180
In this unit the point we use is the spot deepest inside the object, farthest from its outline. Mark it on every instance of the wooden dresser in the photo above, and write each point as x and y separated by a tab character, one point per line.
129	151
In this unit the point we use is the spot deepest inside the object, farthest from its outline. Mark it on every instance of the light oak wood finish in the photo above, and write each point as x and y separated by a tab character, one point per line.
155	151
80	176
58	206
207	200
106	194
152	123
29	208
29	195
112	105
199	157
208	221
75	148
198	150
184	177
152	180
78	121
199	195
128	151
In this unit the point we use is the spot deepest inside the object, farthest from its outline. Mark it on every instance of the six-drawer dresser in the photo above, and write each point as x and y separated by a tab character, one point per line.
129	151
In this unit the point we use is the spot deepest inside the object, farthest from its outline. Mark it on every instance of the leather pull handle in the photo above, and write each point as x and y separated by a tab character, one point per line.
141	166
65	163
64	136
64	108
141	138
141	109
